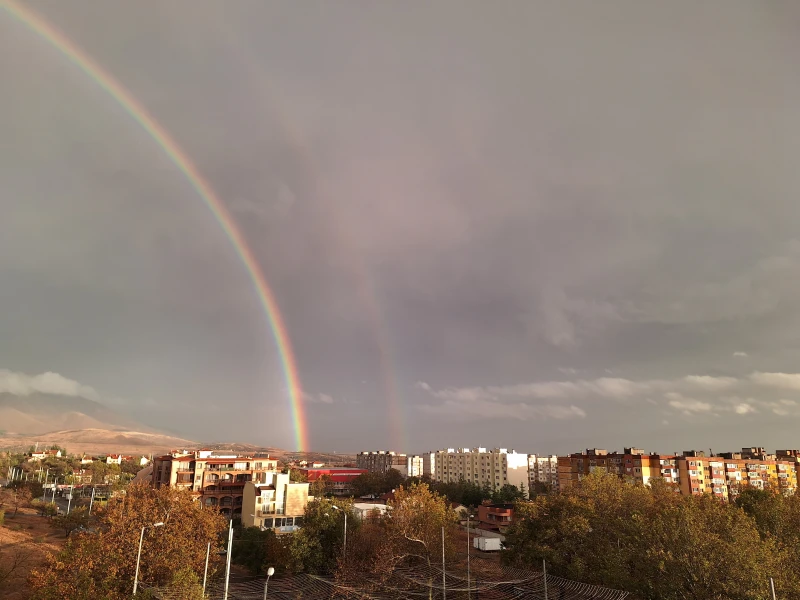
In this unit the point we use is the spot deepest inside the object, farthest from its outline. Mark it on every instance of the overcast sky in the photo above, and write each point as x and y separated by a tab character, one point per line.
536	225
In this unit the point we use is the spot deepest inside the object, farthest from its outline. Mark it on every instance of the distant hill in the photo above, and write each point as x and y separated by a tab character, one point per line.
100	441
283	455
40	413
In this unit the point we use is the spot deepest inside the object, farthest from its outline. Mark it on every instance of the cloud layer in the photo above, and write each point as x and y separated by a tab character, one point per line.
689	395
21	384
488	194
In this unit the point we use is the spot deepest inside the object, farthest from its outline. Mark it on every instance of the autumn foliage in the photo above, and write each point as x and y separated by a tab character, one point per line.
101	563
658	544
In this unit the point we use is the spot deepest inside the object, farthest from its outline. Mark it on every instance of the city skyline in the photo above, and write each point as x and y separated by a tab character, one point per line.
542	227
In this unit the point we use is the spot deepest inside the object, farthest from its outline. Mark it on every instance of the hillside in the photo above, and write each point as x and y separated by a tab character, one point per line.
284	455
99	441
40	413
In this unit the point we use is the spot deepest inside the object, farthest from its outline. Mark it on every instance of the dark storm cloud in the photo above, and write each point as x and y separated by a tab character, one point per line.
530	193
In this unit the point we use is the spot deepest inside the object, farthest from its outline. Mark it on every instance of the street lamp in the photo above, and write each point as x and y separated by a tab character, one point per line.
344	546
139	556
270	573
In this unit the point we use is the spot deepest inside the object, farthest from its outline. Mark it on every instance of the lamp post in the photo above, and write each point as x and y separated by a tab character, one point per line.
270	573
139	555
344	545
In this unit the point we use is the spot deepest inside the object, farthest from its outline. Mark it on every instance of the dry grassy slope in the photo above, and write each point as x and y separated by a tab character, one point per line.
99	441
40	413
284	455
31	535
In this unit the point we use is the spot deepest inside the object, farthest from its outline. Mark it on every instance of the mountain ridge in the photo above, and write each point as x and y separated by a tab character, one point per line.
42	413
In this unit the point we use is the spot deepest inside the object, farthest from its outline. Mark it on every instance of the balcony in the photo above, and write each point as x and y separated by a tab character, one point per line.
226	468
222	492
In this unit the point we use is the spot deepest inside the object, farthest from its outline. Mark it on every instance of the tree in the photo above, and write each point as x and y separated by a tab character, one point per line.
417	518
20	498
508	494
410	533
101	564
185	584
647	540
316	547
253	548
45	509
298	476
130	467
70	522
319	487
392	480
369	484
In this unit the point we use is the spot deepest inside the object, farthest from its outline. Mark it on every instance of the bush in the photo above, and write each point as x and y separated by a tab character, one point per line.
2	517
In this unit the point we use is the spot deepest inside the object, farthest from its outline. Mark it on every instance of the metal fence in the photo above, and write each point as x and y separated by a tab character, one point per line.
488	581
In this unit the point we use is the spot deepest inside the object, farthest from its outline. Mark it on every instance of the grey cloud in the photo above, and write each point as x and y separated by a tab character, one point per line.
21	384
459	193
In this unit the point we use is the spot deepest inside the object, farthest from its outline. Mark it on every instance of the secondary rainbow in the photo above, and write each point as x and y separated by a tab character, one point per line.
125	99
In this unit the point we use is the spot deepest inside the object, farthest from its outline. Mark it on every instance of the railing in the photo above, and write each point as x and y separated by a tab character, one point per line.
216	468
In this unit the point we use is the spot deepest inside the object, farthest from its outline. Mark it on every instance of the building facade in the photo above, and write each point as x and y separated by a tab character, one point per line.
692	472
380	461
277	503
495	517
217	479
480	466
339	480
542	472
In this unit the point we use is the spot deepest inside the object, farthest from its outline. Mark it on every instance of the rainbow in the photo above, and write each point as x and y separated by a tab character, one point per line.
363	282
126	100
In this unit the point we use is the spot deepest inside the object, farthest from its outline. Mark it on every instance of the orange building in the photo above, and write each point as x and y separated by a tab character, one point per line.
693	472
217	479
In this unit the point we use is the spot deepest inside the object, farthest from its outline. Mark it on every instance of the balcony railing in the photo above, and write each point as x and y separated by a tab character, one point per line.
221	468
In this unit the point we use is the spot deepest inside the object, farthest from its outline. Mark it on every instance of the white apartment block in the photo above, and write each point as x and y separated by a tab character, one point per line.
542	470
480	466
414	465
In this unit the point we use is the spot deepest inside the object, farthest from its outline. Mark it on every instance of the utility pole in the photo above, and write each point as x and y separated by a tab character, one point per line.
469	591
205	573
228	564
772	587
91	502
444	573
544	577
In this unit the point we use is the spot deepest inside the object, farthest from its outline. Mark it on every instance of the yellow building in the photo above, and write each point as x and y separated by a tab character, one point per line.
275	503
694	473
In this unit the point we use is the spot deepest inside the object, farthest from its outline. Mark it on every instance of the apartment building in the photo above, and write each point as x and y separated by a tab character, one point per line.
480	466
276	503
694	473
380	461
495	517
217	479
632	465
542	472
429	463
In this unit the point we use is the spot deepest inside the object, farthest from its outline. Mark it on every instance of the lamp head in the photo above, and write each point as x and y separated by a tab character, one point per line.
270	571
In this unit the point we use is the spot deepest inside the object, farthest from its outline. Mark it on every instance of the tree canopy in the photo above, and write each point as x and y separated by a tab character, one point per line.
650	541
101	564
